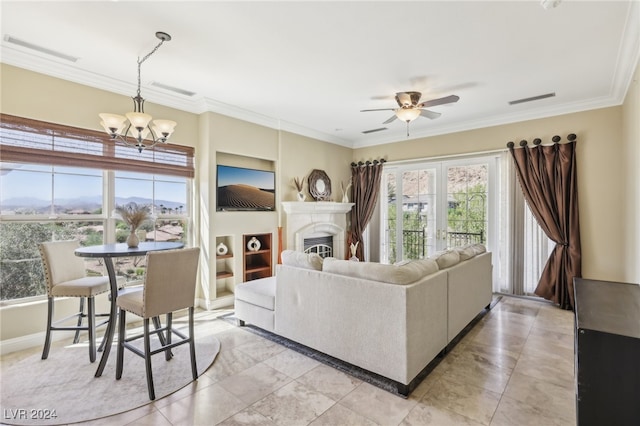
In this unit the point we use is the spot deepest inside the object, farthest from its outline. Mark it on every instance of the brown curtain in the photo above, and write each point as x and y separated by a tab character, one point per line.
365	190
548	179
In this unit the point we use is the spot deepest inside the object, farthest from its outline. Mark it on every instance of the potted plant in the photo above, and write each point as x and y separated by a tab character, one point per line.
133	215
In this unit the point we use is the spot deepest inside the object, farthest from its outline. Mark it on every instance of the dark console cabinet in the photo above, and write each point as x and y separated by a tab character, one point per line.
607	352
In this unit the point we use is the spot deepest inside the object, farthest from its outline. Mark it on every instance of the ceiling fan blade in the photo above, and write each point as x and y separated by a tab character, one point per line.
440	101
390	119
429	114
379	109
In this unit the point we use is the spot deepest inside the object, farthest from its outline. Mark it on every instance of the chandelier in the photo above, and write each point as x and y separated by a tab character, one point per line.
135	127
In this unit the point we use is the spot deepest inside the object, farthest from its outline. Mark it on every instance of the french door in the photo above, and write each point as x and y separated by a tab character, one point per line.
436	205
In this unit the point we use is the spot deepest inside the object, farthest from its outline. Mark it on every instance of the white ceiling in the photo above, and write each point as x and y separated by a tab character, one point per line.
310	67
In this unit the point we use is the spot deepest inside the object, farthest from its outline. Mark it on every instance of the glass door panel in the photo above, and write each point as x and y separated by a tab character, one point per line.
467	206
419	213
389	244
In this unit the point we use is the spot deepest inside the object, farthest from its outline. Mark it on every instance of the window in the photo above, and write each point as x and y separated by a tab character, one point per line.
59	182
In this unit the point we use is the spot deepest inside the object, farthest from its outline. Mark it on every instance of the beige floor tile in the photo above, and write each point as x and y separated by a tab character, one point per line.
255	383
493	337
236	336
549	367
293	404
261	350
127	417
557	400
329	381
229	362
509	323
153	419
209	406
378	405
340	415
292	363
247	417
544	338
467	400
511	412
467	370
425	415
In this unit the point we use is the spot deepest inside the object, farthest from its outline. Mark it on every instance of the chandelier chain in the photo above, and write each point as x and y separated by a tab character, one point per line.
140	61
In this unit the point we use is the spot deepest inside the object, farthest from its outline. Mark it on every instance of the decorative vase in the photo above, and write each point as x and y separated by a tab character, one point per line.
221	249
253	244
353	248
301	196
132	239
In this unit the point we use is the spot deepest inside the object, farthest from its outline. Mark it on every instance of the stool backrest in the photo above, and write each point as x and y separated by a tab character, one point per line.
60	262
170	281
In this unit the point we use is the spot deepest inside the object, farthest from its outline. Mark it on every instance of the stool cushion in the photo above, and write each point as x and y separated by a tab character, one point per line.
81	287
261	292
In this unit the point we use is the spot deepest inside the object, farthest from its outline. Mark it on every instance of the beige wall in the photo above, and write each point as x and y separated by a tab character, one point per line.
36	96
608	160
604	223
631	181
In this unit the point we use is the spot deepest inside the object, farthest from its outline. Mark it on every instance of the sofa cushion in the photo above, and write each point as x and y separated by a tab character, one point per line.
299	259
465	252
478	248
405	273
446	258
260	292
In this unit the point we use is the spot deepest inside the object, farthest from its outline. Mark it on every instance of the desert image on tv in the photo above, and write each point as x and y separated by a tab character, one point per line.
240	196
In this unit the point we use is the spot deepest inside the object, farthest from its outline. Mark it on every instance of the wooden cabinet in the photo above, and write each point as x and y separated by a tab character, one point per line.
607	352
257	256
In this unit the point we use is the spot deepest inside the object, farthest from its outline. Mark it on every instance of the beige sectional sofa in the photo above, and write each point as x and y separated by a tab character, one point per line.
392	320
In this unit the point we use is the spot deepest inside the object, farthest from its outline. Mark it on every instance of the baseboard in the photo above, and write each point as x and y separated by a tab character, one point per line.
30	341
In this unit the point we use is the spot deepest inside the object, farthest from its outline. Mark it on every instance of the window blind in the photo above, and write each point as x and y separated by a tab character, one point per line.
23	140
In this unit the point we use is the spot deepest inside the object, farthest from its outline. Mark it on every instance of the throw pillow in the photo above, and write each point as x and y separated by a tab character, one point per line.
302	260
465	252
446	258
405	273
479	248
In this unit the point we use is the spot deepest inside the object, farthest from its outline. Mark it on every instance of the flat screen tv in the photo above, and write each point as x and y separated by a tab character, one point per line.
243	189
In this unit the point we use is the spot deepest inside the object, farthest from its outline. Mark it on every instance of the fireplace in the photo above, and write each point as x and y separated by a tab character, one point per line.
317	226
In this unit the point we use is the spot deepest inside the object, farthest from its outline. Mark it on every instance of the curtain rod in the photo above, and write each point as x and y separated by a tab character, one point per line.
537	141
368	163
440	157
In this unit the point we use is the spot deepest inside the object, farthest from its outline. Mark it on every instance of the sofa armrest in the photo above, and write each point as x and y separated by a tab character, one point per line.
470	291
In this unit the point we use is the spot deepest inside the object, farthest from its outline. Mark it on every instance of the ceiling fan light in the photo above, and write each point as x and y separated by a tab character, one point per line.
407	114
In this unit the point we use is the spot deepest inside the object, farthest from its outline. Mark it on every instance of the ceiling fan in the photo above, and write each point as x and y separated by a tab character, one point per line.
410	107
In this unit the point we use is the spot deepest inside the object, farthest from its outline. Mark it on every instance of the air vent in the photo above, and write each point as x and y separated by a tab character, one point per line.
533	98
173	89
40	49
374	130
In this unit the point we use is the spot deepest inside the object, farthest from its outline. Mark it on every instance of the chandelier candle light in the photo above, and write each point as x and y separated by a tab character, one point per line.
138	127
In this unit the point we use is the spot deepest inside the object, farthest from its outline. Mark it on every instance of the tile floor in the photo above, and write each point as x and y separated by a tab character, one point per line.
515	367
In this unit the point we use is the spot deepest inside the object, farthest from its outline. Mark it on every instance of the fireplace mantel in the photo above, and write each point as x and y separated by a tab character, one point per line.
329	207
316	219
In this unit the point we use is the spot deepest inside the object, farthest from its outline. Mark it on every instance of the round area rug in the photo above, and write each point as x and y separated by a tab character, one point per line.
62	389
